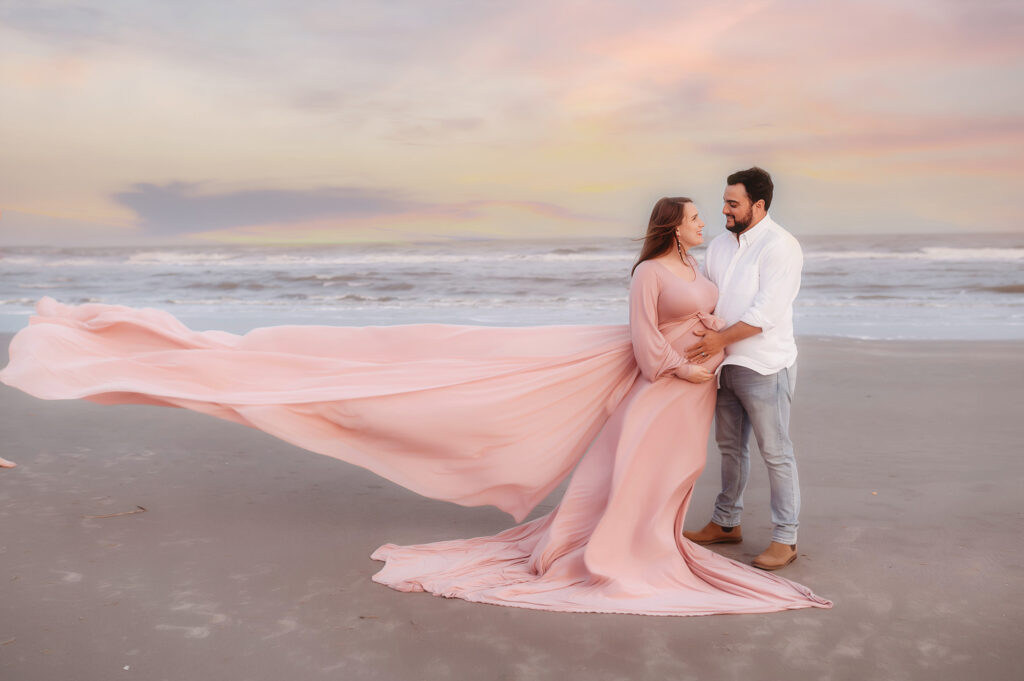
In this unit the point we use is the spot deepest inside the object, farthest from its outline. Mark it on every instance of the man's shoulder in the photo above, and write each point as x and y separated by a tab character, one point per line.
781	238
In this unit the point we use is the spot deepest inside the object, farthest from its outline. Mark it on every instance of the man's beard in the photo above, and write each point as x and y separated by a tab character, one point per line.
738	225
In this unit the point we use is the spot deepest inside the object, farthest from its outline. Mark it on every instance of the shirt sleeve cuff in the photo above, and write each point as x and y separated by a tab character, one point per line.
755	318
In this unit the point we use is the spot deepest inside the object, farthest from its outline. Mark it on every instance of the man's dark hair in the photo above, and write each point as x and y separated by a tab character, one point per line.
757	182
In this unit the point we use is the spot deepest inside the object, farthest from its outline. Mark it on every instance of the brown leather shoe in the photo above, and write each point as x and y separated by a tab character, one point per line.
776	556
716	534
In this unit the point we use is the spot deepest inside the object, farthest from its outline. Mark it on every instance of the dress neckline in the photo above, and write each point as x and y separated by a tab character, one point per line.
696	274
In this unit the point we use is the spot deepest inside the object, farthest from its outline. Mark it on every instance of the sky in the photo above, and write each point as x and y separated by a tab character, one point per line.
186	121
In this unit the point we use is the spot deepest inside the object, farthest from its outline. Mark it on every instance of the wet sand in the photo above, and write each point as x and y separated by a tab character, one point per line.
251	559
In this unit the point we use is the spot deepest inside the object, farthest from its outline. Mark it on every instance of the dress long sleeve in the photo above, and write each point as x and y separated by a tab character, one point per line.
654	355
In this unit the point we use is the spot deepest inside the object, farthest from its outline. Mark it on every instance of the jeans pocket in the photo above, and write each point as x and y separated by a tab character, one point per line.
791	379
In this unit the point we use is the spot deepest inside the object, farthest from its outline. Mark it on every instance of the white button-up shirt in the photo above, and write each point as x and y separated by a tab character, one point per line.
758	277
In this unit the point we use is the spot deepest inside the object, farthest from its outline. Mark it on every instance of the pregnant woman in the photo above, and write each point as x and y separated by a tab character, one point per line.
475	416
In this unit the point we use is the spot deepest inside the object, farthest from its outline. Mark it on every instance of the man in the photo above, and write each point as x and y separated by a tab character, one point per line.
756	266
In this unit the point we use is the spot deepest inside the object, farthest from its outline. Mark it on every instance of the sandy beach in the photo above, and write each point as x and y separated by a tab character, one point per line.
251	558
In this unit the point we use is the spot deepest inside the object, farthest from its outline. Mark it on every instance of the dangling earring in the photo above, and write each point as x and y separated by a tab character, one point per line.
679	247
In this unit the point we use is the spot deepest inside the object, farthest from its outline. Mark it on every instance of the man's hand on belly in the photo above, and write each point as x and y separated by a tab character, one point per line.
713	342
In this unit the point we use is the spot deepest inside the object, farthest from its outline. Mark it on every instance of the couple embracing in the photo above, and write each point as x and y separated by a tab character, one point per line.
502	416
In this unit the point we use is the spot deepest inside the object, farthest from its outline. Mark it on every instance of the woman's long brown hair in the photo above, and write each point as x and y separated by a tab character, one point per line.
661	230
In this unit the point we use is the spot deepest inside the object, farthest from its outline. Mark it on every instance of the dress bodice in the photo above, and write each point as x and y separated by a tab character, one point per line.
658	296
678	298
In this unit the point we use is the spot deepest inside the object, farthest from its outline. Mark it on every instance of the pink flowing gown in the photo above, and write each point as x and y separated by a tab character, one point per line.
472	415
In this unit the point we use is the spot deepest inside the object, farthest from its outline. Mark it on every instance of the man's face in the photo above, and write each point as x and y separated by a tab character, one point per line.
738	209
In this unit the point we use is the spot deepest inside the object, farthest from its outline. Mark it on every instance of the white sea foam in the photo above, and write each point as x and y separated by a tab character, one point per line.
438	258
933	253
33	261
585	257
179	257
187	259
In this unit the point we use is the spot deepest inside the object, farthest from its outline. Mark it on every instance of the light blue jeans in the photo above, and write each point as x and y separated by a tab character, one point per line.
749	402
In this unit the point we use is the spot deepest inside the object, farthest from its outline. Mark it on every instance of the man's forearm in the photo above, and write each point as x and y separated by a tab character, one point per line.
738	332
713	342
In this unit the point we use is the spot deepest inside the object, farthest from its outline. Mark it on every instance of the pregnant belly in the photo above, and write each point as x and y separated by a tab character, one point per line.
682	334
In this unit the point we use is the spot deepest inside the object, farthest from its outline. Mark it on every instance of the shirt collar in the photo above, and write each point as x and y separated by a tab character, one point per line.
757	232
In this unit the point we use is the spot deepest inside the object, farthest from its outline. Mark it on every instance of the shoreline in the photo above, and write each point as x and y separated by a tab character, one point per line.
251	559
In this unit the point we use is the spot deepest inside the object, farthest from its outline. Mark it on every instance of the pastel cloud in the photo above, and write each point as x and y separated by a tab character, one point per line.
476	219
331	214
181	208
596	108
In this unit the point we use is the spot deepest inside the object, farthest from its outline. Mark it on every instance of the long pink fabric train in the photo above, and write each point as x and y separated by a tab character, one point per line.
469	415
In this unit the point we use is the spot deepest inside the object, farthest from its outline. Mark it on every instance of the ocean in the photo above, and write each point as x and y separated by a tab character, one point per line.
912	287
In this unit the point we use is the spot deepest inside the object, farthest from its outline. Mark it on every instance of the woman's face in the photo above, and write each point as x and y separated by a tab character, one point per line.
691	231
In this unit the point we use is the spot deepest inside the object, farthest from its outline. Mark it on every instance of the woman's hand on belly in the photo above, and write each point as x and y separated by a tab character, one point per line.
694	373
